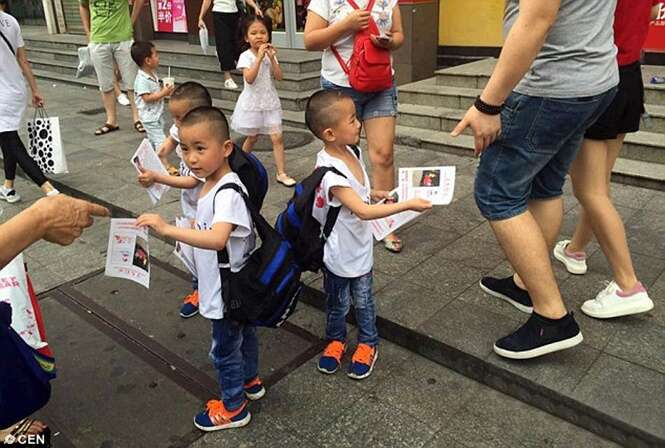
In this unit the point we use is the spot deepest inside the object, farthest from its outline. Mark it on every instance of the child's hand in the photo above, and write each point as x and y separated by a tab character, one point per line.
147	178
167	90
153	221
271	51
419	205
379	195
262	50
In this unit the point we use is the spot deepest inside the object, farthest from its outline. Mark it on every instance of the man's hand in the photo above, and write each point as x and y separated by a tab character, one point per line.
379	195
63	218
153	221
486	128
257	11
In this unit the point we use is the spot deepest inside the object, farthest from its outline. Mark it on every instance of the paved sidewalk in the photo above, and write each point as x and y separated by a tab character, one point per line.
428	293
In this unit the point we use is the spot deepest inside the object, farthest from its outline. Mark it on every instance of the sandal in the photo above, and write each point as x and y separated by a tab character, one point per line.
393	245
139	127
285	180
106	129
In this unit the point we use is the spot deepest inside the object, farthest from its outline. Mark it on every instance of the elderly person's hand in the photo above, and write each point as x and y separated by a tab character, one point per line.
63	218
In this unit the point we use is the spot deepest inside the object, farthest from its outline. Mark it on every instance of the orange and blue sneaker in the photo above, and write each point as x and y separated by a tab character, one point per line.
331	359
363	361
190	307
254	389
216	417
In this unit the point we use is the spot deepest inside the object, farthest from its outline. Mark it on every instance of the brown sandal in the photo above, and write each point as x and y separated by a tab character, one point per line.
106	129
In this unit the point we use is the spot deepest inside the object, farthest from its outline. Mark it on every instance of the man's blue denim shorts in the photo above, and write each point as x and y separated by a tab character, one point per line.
369	105
539	140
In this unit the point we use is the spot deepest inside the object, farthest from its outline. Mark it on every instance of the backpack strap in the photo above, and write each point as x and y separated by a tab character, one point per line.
7	42
223	255
333	212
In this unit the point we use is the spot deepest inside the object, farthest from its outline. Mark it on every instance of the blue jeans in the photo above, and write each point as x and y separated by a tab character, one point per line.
154	132
340	292
539	140
235	355
369	105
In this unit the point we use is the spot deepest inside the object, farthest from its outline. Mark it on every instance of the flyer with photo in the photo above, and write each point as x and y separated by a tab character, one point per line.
145	159
436	184
183	251
383	227
128	255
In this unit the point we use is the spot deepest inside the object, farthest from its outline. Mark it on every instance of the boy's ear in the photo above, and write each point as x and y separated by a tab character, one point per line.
328	135
228	148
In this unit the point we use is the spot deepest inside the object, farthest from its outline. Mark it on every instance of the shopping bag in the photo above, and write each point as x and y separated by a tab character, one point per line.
85	66
15	289
45	143
203	38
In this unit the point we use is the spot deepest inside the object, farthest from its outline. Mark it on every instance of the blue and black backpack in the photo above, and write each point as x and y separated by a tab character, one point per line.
266	290
252	173
297	225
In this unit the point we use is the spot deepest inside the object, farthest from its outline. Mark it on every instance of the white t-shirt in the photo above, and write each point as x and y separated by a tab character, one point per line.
335	10
13	91
188	196
348	249
224	6
229	207
261	95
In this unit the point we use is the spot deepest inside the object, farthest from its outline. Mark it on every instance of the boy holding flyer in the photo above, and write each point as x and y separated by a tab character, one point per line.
223	221
347	255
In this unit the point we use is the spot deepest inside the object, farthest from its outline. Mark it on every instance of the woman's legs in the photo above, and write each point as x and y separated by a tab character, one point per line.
380	133
590	174
226	40
14	154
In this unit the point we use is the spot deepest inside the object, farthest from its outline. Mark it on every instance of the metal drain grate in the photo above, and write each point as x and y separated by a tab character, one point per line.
97	111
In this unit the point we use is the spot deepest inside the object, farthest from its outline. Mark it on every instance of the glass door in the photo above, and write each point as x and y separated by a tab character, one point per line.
288	21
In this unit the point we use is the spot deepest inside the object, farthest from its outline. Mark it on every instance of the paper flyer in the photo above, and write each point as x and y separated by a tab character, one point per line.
145	158
383	227
436	184
183	251
128	255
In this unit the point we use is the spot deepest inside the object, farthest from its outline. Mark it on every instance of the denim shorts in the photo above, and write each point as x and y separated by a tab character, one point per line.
369	105
539	140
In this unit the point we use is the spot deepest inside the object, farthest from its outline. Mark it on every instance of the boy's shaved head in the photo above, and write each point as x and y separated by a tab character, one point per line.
321	113
213	117
194	93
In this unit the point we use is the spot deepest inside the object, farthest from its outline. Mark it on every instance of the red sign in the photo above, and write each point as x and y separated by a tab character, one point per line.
169	16
656	38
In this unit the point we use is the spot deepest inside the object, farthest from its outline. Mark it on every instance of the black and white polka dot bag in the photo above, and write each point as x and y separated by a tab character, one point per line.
45	143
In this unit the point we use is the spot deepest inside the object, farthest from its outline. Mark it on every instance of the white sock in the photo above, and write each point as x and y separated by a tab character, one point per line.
52	192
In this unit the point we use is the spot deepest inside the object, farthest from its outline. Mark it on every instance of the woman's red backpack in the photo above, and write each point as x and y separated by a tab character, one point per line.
370	68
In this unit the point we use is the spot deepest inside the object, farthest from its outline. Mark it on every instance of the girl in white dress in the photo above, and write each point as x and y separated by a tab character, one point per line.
258	110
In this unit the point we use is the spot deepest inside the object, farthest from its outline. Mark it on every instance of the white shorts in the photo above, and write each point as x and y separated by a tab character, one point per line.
103	56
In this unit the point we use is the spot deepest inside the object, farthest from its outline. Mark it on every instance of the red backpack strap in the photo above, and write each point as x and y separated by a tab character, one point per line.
342	63
354	5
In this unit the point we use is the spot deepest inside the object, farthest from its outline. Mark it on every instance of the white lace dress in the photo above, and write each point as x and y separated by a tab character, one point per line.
258	110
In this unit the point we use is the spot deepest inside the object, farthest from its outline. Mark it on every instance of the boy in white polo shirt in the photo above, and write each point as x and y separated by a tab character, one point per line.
347	254
222	222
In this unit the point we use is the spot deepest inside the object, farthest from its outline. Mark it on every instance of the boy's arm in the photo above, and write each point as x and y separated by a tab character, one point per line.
367	212
147	178
167	148
213	239
157	96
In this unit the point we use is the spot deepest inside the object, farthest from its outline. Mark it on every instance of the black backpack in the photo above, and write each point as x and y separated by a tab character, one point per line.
252	173
297	225
266	290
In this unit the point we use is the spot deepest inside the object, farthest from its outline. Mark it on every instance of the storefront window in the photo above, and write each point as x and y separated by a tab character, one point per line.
301	14
169	16
275	10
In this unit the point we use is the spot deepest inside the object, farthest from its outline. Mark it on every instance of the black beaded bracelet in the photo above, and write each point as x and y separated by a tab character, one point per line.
487	108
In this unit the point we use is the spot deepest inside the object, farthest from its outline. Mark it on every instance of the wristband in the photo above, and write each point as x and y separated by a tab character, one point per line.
485	108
